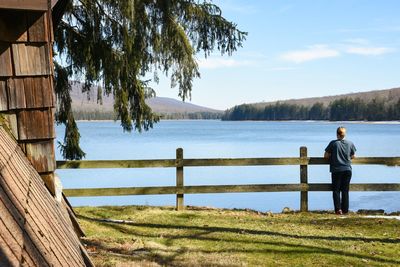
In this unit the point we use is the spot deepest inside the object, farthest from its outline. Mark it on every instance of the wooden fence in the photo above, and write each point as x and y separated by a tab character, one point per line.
180	189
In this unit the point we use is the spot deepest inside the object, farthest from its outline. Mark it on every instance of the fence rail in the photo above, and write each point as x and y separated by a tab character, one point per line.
180	189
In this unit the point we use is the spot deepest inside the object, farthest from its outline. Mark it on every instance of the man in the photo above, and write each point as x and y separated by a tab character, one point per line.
340	152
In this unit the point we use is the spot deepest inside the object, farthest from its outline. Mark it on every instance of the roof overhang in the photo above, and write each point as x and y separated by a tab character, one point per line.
38	5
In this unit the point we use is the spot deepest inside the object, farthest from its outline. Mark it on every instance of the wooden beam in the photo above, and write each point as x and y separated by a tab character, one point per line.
89	164
240	162
120	191
94	164
40	5
208	189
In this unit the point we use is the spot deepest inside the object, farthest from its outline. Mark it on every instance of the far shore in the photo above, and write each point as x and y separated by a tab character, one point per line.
292	121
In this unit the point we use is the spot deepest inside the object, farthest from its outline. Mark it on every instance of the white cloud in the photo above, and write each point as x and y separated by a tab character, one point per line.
215	63
357	41
368	51
311	53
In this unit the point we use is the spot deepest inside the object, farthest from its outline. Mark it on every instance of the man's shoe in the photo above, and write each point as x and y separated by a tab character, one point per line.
339	212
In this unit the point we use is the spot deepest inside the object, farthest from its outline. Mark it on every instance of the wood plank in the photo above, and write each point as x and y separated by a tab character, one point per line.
32	252
38	27
48	95
54	220
15	190
184	190
94	164
89	164
13	26
36	124
61	227
388	161
5	60
3	95
38	92
25	4
44	234
241	162
31	59
16	94
125	191
206	189
6	201
42	209
41	155
45	60
10	232
7	257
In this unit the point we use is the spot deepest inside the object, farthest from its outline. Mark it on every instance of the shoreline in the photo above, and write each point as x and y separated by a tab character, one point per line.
291	121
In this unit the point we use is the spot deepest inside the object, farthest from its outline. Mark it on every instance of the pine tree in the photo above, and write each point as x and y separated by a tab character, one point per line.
118	43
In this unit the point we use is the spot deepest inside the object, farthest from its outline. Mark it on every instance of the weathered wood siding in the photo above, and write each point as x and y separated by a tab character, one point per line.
26	90
35	229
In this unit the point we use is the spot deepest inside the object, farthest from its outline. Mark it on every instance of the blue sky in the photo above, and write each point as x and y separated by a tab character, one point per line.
302	48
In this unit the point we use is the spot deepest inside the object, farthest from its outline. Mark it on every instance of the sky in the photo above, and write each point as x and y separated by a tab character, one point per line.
298	49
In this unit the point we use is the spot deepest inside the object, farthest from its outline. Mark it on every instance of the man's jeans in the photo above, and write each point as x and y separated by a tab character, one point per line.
340	183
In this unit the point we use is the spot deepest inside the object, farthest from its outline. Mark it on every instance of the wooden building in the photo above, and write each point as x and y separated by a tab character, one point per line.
26	83
35	228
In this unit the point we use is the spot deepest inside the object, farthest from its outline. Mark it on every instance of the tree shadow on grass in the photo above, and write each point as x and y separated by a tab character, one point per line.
280	247
249	231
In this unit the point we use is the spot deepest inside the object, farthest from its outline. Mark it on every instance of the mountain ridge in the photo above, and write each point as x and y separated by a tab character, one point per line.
87	102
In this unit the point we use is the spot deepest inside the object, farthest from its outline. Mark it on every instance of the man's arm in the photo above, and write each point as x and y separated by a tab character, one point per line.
353	152
328	150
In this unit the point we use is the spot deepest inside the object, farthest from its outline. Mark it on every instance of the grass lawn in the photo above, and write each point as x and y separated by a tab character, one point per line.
154	236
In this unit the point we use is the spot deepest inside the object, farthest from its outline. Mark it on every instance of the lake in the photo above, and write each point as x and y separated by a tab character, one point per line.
226	139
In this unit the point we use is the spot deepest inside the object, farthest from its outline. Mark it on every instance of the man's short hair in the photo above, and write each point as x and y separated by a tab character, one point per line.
341	131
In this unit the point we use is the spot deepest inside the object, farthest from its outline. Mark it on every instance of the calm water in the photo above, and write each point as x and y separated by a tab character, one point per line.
208	139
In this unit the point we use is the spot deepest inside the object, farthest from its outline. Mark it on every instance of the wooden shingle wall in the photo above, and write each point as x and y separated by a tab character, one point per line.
26	89
35	229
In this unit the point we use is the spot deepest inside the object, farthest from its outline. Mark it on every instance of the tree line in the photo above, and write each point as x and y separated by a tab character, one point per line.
343	109
109	115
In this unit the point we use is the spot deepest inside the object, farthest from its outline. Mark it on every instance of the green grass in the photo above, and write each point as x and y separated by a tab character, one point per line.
214	237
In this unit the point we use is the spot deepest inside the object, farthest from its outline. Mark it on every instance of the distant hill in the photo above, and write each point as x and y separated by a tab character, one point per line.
391	94
87	103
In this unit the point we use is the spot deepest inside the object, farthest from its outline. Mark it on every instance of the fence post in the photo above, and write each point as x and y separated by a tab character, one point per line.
179	178
303	180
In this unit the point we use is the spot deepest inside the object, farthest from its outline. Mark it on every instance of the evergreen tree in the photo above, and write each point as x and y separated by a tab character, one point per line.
117	43
317	112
